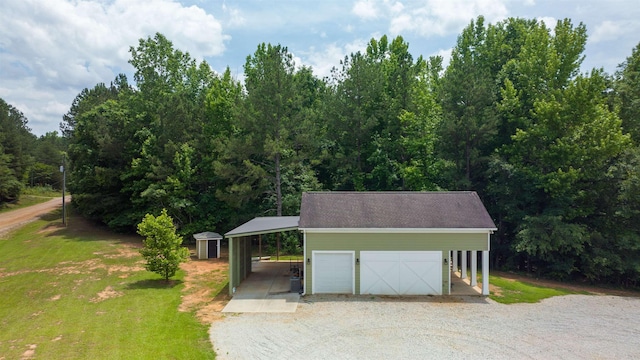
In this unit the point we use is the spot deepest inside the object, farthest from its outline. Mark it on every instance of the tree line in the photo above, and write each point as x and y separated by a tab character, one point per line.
552	152
25	159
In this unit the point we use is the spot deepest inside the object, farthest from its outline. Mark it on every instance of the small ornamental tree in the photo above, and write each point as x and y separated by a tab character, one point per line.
162	246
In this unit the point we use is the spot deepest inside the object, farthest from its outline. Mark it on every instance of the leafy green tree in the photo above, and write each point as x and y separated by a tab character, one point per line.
375	99
566	156
100	150
49	152
627	91
17	145
170	112
468	92
356	98
163	250
420	167
10	187
17	140
86	100
273	134
270	95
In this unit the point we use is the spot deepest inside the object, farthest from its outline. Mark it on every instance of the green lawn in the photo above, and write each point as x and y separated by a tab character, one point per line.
514	291
81	293
45	191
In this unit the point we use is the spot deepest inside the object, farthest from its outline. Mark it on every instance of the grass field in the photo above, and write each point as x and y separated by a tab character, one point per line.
25	200
82	293
513	291
45	191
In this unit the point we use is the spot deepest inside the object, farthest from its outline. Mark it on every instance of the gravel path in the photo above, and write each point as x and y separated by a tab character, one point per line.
342	327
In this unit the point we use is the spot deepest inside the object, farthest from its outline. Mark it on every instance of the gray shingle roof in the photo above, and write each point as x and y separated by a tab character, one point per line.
265	225
207	235
394	210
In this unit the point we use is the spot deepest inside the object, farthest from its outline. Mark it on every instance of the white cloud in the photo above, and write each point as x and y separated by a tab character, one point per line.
365	9
443	17
606	30
395	7
324	59
66	45
446	56
550	23
235	16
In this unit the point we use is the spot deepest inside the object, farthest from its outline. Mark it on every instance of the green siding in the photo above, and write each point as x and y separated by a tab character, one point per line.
239	261
392	242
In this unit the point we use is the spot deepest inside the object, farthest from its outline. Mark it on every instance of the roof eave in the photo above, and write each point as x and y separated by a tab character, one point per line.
270	231
400	230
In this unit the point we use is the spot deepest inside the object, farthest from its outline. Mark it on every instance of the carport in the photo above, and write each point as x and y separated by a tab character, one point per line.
266	289
240	244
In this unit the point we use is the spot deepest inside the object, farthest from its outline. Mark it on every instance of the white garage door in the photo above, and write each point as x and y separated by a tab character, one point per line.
333	272
401	272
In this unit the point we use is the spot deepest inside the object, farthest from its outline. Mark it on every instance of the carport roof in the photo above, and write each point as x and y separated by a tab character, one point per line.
265	225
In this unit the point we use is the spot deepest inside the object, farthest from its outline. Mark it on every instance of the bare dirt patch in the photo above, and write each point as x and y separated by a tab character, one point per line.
51	228
107	293
87	266
495	290
198	293
30	352
126	250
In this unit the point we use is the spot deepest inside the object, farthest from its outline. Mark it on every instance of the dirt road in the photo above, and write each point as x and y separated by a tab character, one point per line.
15	218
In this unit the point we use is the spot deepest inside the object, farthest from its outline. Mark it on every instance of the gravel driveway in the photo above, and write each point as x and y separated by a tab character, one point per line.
345	327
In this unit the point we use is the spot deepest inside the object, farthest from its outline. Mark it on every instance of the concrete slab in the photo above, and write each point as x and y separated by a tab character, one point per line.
265	290
463	287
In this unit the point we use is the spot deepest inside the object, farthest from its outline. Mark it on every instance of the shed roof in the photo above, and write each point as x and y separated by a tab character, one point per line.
265	225
394	210
207	235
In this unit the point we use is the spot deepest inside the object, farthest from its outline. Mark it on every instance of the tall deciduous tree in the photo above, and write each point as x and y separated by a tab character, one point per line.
16	139
420	166
566	155
100	150
627	89
17	145
367	136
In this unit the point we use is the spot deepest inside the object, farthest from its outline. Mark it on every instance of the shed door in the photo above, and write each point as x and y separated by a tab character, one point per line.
212	251
333	272
401	272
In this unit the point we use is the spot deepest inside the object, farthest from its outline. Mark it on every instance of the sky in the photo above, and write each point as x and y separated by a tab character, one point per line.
52	49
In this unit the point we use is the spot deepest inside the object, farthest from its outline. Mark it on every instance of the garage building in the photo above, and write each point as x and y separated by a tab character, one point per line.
384	243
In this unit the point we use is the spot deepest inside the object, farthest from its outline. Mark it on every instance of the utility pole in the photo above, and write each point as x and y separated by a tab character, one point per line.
64	185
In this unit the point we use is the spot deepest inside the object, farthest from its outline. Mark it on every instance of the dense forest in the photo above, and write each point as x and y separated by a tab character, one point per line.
25	159
552	151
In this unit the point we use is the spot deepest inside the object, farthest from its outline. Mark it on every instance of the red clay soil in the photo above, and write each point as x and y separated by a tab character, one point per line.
198	294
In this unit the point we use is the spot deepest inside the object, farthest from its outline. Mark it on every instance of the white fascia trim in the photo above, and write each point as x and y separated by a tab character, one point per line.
401	230
260	232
